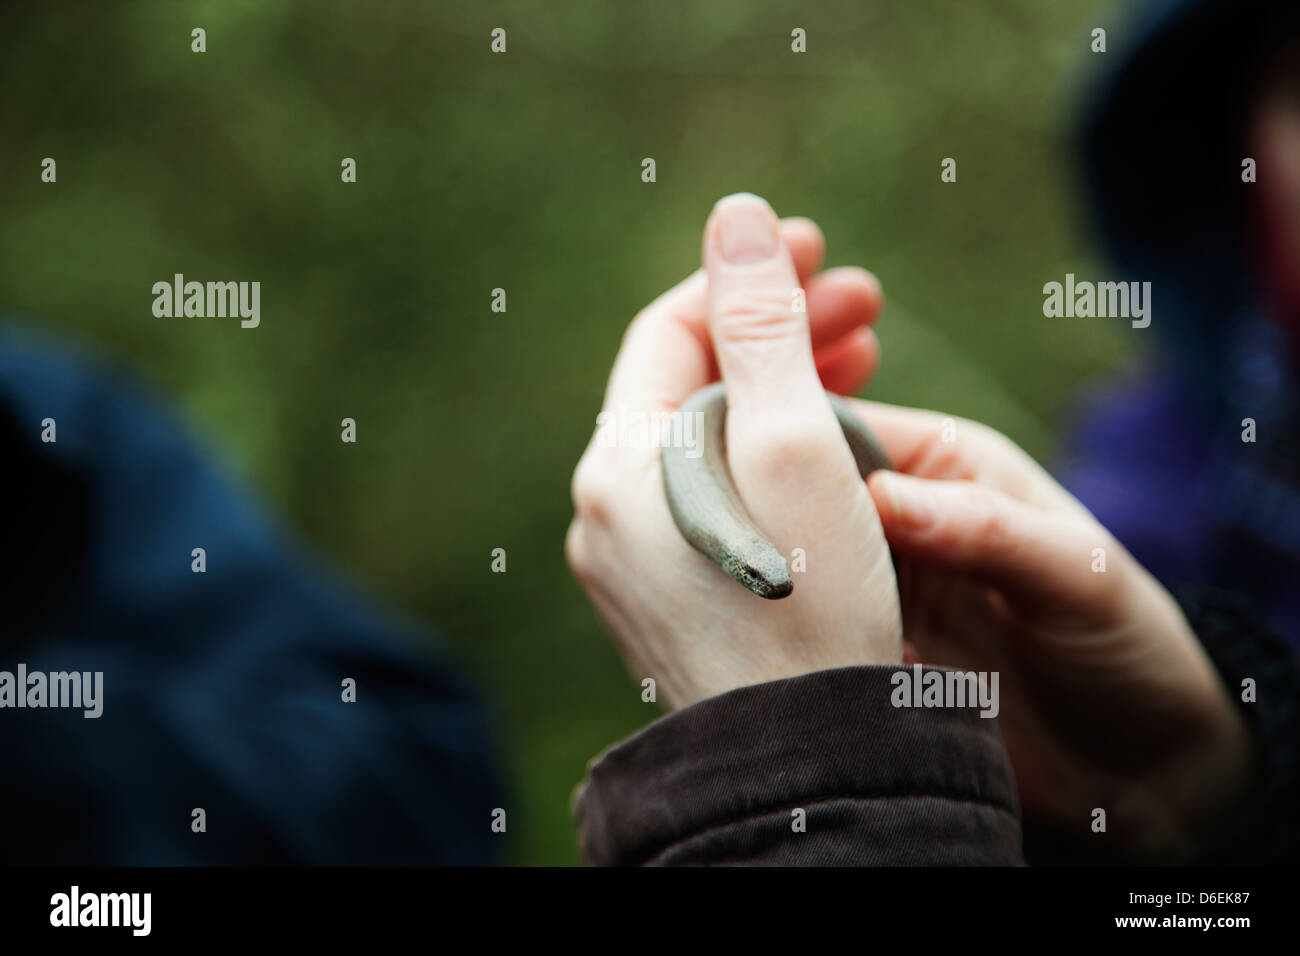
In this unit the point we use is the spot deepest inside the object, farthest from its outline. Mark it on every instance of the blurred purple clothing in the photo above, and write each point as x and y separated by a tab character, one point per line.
1168	472
1160	457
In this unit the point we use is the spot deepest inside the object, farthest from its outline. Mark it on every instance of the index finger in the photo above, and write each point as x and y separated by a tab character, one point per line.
666	355
931	444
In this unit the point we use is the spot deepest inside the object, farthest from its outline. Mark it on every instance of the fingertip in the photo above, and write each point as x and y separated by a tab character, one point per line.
742	230
903	502
839	301
847	365
801	225
876	291
862	284
878	486
806	242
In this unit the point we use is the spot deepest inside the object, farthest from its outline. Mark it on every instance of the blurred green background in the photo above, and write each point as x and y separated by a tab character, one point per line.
523	171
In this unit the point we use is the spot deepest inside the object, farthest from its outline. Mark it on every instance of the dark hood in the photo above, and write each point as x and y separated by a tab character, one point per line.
1161	141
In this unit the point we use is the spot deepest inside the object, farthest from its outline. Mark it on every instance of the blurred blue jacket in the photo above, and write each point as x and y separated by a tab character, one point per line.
1158	456
223	689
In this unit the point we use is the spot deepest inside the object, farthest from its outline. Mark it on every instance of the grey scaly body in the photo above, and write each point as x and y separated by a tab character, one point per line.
707	509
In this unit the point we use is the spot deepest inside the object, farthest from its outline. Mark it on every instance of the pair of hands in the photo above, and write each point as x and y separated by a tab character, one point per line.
1107	699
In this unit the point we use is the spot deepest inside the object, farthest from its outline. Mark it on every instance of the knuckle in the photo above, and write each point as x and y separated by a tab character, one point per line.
593	489
991	524
945	458
756	316
950	450
576	552
993	439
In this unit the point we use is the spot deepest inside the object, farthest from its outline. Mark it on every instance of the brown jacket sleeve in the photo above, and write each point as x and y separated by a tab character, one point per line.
719	782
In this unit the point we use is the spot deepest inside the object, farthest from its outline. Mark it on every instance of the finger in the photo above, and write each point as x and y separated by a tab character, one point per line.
791	465
688	301
979	531
935	445
761	343
910	437
847	365
807	245
658	366
839	301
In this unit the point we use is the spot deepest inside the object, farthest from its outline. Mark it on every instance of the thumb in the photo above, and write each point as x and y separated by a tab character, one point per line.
762	344
963	526
786	451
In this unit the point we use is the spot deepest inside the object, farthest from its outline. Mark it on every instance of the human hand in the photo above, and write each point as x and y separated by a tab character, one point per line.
677	617
1107	698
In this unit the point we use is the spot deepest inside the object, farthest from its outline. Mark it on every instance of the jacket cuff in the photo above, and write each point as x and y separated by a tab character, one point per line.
720	781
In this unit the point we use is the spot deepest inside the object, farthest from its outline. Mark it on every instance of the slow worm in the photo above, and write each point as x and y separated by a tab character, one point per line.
707	509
